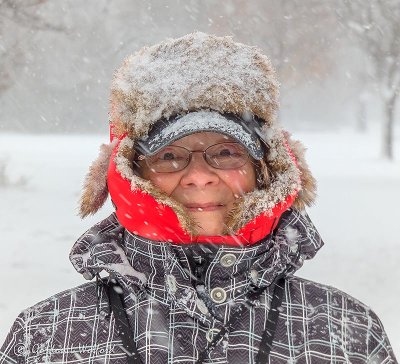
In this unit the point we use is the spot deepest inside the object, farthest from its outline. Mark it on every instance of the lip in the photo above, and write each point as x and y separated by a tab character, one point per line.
199	207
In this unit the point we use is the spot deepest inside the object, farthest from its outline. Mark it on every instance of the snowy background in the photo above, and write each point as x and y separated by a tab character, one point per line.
339	70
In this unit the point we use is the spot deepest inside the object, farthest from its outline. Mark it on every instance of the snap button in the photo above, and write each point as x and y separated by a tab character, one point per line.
202	306
211	333
171	282
218	295
254	276
228	260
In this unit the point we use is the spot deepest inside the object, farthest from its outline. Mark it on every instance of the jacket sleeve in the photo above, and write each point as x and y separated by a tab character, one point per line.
379	348
14	347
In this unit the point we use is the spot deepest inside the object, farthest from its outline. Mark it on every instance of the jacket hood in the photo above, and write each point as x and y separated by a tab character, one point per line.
138	262
193	73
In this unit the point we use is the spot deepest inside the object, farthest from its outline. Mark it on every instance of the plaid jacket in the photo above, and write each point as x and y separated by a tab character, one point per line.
178	297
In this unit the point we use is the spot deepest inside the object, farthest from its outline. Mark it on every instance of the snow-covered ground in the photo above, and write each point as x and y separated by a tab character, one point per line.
356	213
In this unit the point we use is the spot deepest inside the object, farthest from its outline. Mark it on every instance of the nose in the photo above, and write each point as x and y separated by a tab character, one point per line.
199	173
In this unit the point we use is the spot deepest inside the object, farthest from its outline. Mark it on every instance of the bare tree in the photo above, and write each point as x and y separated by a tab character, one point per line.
293	33
375	25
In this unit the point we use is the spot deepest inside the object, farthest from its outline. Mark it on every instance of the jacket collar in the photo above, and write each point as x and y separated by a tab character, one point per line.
138	262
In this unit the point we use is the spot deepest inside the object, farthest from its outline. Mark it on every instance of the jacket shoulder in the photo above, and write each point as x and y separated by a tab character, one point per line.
59	322
324	293
340	313
82	295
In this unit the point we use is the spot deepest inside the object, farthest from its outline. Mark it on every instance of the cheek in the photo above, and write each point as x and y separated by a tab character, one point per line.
166	184
241	181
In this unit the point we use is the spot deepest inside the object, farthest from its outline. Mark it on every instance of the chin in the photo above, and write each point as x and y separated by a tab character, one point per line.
210	223
210	230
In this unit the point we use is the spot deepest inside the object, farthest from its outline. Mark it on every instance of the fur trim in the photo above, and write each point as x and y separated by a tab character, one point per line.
95	191
197	71
308	193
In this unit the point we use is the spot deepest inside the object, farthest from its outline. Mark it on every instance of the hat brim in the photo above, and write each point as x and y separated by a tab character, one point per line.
168	131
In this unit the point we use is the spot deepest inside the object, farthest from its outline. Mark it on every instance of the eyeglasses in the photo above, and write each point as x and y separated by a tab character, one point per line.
172	158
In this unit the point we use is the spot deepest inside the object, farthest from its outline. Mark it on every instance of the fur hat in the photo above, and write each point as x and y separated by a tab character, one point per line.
192	73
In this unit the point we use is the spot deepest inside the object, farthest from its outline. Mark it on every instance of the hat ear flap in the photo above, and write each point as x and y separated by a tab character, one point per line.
95	191
308	192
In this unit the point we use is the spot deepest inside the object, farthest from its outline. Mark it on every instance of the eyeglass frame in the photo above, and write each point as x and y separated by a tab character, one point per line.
142	157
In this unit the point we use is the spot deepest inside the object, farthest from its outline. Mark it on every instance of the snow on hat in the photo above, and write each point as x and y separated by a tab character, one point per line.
195	72
166	132
179	78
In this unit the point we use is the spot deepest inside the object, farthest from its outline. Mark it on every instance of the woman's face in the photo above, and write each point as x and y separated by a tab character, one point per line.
207	193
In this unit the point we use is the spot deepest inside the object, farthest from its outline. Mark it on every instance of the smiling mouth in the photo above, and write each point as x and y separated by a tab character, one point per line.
204	207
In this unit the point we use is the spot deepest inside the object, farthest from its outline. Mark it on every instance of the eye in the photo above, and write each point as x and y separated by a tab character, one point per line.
170	154
169	159
232	150
167	156
225	152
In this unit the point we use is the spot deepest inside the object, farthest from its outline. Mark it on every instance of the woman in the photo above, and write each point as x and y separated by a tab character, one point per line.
208	230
